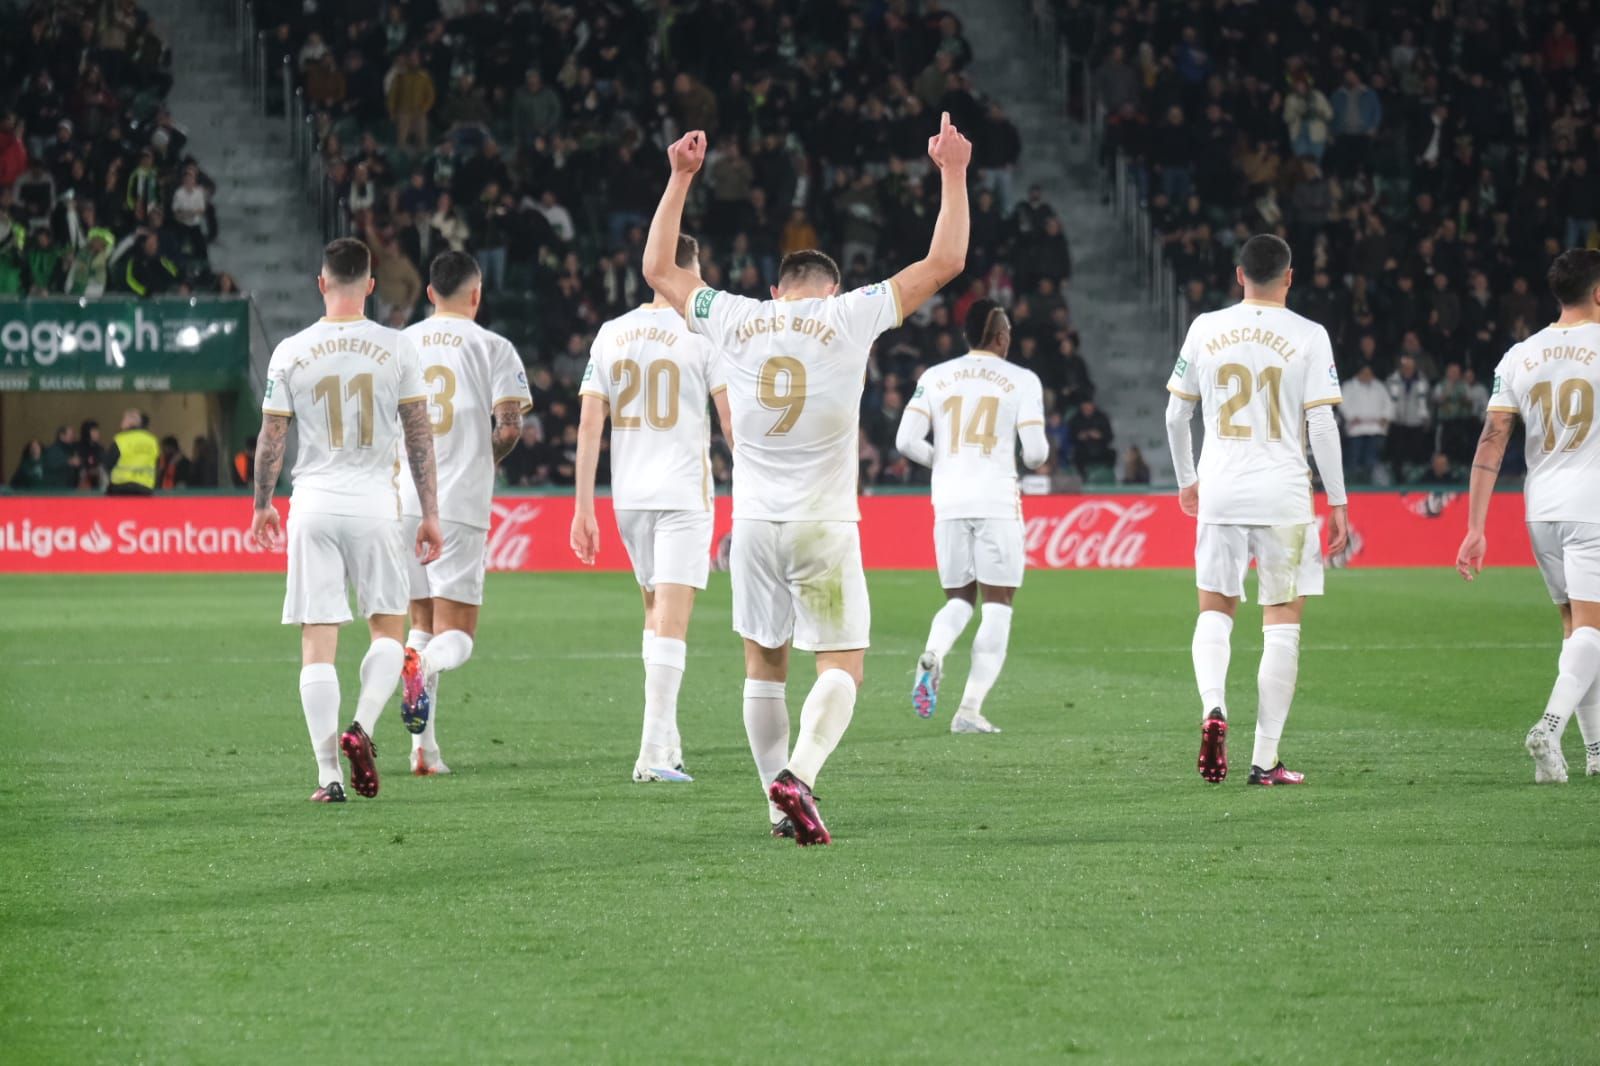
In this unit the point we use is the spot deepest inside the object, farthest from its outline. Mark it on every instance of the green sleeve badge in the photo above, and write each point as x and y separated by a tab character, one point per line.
588	372
702	302
1182	367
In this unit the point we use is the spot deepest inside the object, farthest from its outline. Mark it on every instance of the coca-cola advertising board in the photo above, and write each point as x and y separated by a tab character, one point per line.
198	534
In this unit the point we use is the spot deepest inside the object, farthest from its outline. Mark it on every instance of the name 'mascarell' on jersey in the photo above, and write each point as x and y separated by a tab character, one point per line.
1551	380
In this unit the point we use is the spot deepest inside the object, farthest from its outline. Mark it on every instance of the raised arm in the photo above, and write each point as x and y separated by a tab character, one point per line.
266	526
585	537
418	431
1497	426
672	282
947	251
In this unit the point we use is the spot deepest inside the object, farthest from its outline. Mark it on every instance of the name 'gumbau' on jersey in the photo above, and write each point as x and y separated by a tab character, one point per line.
1254	369
344	381
656	376
1551	380
467	370
976	404
795	369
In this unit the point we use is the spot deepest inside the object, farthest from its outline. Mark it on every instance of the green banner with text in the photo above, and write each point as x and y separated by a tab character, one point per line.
186	344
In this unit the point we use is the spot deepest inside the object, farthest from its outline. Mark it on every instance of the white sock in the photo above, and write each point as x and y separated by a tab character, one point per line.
380	676
446	651
417	640
1210	650
766	724
663	674
948	624
823	720
319	698
1579	667
644	645
988	655
1275	681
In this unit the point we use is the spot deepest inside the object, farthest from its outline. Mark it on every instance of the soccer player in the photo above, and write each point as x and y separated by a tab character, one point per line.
1551	380
477	395
653	377
794	366
358	392
976	406
1265	379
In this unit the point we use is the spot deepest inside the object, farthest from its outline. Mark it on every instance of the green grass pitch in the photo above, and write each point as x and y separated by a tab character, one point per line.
1068	888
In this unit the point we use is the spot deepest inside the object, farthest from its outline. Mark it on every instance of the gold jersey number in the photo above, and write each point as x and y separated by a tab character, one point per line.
329	393
1571	404
781	386
979	431
1236	378
442	380
658	382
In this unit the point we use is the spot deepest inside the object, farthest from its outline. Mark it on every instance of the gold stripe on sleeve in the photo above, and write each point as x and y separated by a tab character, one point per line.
1324	403
1180	394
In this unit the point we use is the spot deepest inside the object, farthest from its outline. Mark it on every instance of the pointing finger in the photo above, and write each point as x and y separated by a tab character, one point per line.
944	123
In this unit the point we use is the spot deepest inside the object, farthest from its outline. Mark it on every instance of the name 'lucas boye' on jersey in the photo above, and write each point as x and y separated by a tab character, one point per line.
1255	369
343	380
795	369
656	376
976	404
467	371
1551	380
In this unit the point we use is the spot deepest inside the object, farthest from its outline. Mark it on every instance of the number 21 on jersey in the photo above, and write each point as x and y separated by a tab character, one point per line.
1240	384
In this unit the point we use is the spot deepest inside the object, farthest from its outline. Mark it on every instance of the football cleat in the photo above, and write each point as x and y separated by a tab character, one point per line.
1213	760
414	700
363	756
793	796
1278	775
425	764
972	723
925	693
643	773
1591	764
1549	765
783	830
332	792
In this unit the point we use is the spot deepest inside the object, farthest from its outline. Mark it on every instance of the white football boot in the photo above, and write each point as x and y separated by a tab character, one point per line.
1549	765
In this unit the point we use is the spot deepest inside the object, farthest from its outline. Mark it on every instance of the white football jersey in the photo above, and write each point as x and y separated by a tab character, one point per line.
656	376
344	381
467	370
1254	369
975	405
794	371
1551	380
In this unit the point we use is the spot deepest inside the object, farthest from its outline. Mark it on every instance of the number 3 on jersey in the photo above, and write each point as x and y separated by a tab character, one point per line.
442	380
1237	379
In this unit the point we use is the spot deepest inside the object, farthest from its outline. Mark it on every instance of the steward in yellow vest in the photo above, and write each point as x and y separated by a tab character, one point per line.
135	453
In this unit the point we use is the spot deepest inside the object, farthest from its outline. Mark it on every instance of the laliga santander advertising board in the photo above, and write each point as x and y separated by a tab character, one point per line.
210	534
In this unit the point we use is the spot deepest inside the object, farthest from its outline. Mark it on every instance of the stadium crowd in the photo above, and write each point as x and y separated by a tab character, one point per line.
131	461
1426	159
97	192
534	136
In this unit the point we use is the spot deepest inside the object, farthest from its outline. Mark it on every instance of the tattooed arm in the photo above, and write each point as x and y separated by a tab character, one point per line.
507	427
419	456
1486	462
266	526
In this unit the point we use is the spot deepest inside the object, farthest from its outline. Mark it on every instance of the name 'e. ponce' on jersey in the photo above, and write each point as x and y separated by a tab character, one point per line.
1254	369
344	381
795	369
975	405
657	377
1551	380
468	371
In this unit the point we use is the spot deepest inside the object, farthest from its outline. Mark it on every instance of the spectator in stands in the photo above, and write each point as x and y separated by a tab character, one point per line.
1458	419
1367	409
528	463
1411	426
1439	471
411	97
61	460
1090	432
1357	114
243	469
1135	471
91	456
135	455
30	468
1307	113
47	267
190	204
203	464
536	109
173	468
398	283
148	272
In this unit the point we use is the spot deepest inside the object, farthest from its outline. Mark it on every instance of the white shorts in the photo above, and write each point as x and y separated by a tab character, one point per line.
1568	554
331	553
1288	561
979	549
458	572
801	581
667	547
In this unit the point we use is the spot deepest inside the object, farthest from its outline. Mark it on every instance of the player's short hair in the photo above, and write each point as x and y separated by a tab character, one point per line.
688	255
806	267
978	326
1264	258
346	261
450	271
1574	276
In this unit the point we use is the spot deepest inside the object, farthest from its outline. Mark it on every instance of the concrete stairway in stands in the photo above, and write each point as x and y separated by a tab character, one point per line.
1129	354
267	233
